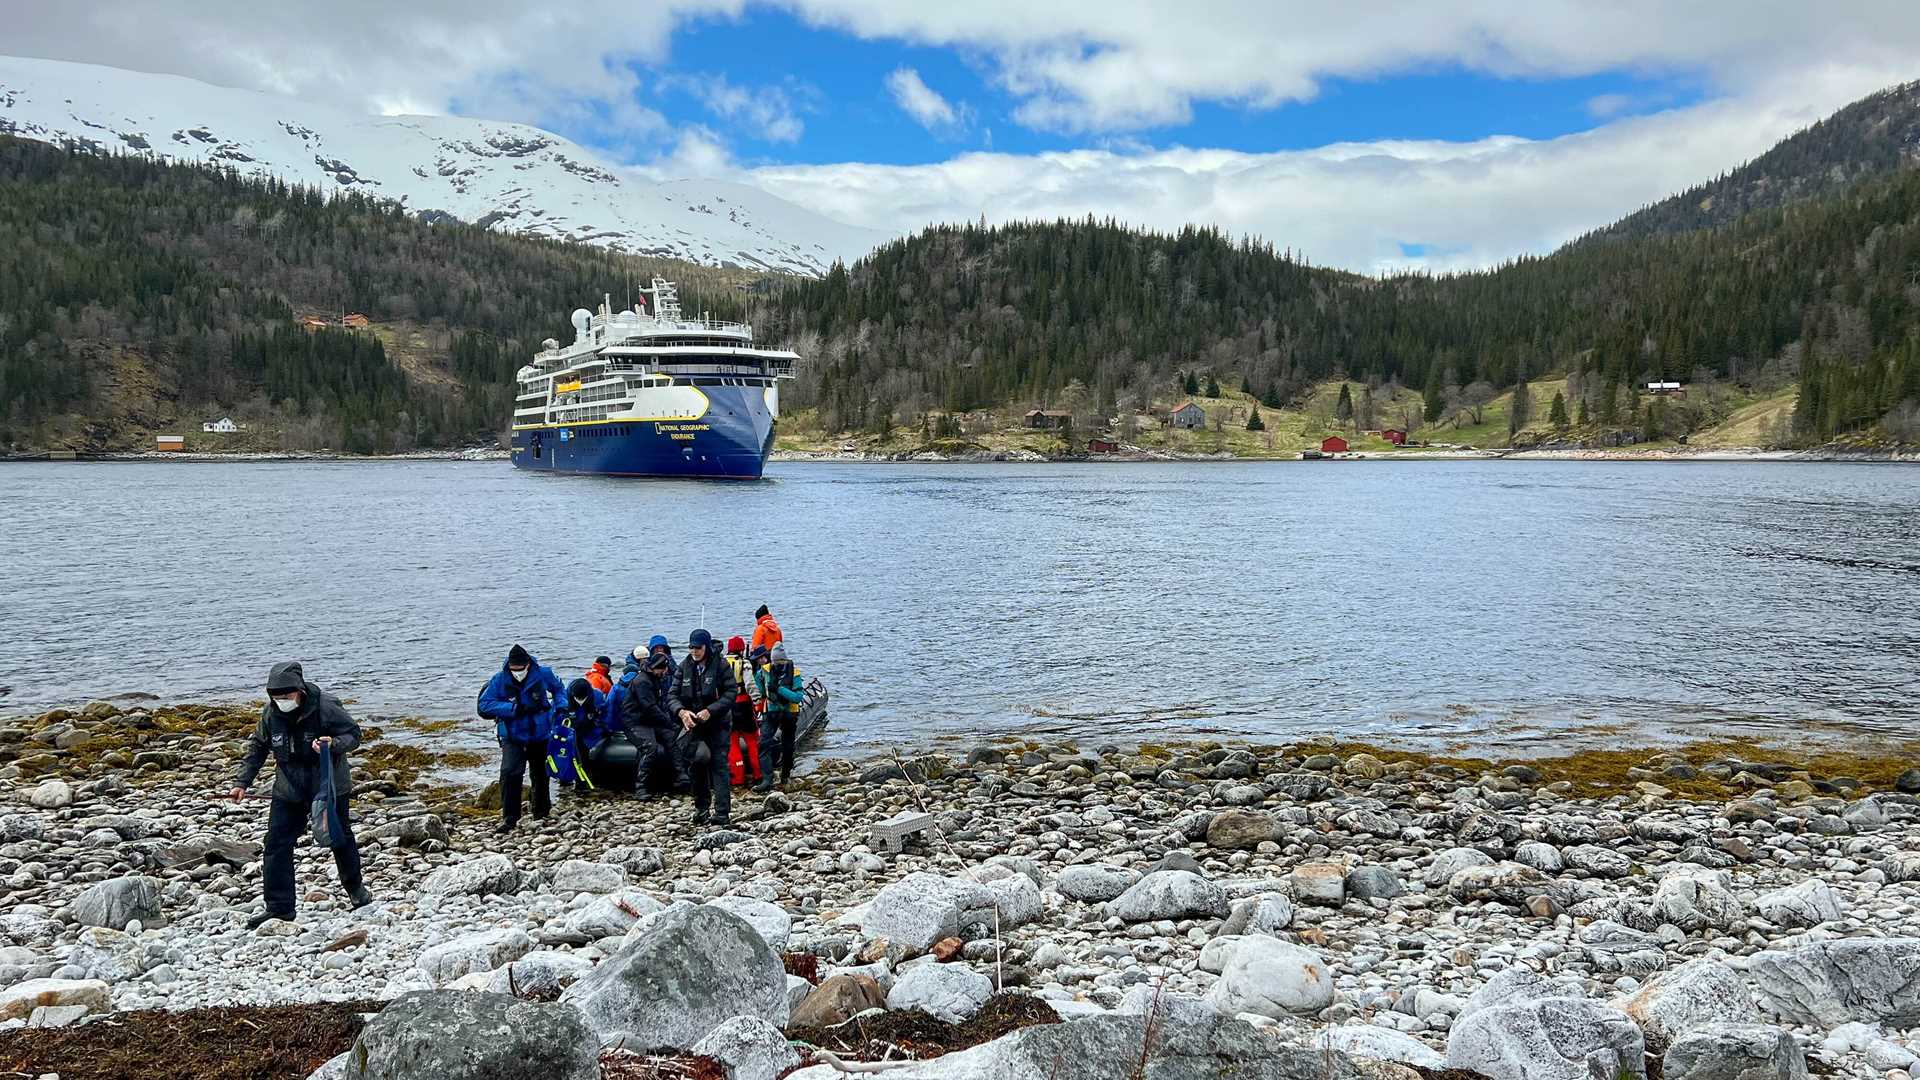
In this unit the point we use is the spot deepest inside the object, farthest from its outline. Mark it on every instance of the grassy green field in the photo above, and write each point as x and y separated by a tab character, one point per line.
1753	424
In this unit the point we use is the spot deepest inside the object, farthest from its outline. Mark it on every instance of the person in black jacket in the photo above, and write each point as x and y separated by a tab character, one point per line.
702	701
298	724
649	723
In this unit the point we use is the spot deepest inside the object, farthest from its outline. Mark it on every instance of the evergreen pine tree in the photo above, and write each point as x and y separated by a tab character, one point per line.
1213	386
1192	385
1557	413
1254	423
1343	409
1520	412
1434	396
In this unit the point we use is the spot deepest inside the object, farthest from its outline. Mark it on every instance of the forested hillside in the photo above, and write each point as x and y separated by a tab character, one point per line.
1877	135
135	295
965	317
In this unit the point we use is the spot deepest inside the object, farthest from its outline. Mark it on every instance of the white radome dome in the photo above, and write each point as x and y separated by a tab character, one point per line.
582	318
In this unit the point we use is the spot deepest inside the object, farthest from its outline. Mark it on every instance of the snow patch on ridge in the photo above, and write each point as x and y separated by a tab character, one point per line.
510	176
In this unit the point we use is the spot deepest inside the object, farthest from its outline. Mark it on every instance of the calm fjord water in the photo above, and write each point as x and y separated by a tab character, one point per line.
1494	605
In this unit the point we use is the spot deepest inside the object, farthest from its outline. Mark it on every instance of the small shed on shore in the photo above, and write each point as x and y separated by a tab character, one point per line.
171	444
1101	446
1395	436
1190	416
1048	419
1333	444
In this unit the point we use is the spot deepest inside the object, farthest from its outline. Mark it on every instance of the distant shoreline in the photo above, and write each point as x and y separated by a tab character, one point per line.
1663	455
925	457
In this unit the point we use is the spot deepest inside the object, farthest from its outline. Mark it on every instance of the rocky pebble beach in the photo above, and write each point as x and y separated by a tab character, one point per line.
1710	913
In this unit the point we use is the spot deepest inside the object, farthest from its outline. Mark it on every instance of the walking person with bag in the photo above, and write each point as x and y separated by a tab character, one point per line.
702	701
521	699
309	735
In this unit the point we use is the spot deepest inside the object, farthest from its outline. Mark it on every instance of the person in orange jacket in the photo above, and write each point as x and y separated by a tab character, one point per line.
766	632
745	756
600	675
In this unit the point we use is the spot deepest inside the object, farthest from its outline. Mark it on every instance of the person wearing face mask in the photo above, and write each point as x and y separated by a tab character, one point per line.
521	699
703	694
298	724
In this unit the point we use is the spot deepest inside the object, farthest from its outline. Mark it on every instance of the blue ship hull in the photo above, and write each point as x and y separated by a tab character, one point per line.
729	442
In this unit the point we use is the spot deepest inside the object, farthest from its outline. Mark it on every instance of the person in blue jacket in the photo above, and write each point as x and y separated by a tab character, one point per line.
577	729
521	699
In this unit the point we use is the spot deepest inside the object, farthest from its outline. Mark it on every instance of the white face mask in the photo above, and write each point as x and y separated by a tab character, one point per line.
518	676
286	704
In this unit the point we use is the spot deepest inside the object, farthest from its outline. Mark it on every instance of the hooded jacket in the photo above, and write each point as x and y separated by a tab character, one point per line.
601	676
587	721
289	738
522	712
706	685
781	687
766	633
644	707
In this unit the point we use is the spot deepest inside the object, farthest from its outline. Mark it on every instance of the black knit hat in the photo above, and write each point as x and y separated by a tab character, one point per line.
518	656
580	690
762	612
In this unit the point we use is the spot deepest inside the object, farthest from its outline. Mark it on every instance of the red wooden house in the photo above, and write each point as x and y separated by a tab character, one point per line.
1333	444
1395	436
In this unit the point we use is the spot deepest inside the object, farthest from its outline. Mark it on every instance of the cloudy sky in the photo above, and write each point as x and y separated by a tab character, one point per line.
1378	136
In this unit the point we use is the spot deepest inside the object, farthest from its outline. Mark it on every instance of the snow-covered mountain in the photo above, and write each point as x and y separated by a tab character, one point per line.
507	176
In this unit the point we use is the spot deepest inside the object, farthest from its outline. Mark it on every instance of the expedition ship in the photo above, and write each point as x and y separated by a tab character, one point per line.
649	392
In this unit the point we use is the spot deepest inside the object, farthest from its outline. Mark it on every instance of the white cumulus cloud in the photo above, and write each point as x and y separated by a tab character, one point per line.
920	101
1353	205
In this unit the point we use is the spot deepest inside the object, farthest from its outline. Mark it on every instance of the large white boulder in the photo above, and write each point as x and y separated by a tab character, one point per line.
1170	894
480	876
1094	883
1452	861
1691	996
448	1035
1735	1052
950	992
1549	1039
602	917
538	974
1270	977
921	909
1870	980
1516	984
1016	900
682	973
578	876
1697	898
51	795
116	902
1267	913
18	1001
481	951
1807	904
770	921
750	1048
1380	1044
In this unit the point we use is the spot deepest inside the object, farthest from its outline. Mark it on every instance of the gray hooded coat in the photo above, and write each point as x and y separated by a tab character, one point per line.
289	738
